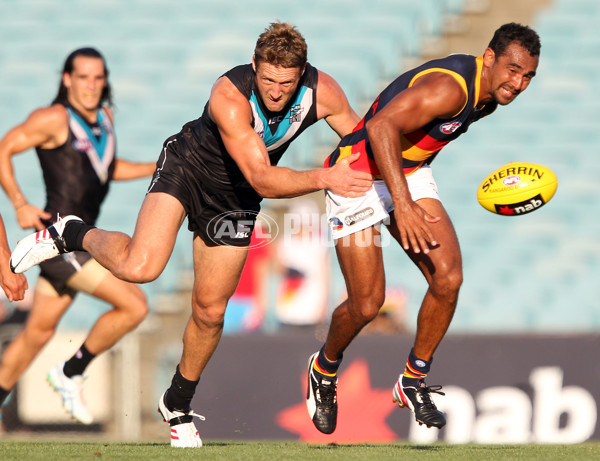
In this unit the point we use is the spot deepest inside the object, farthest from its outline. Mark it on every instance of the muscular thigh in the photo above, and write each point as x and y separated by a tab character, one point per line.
361	261
59	270
217	271
97	281
88	277
48	306
446	256
156	229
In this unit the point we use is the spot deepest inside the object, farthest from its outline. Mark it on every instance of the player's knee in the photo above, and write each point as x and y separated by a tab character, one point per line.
369	313
139	310
133	306
447	282
209	315
140	271
366	309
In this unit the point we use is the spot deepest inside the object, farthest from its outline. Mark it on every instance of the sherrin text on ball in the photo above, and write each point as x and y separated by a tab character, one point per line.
517	188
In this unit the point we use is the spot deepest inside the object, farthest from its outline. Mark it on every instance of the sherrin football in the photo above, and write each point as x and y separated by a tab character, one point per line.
517	188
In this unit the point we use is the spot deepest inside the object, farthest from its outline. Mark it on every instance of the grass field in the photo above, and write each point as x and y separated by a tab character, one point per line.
47	451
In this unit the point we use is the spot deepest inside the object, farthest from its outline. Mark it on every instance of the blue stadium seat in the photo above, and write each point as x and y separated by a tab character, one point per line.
163	57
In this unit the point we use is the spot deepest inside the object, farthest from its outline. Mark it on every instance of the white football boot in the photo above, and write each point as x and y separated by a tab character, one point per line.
71	393
183	430
40	246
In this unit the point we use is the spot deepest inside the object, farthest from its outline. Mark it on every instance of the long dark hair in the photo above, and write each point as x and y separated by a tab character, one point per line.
61	96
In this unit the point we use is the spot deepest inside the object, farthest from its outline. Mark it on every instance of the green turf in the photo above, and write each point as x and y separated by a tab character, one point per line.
285	451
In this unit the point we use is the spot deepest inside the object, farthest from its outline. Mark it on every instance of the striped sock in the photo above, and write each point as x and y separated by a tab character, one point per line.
416	370
324	366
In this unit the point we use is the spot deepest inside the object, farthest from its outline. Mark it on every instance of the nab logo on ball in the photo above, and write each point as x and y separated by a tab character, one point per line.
521	208
517	188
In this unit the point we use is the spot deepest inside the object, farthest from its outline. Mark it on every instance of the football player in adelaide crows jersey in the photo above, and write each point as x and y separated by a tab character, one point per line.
216	171
403	131
75	142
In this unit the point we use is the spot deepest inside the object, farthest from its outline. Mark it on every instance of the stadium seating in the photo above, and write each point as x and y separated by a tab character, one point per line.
536	272
520	274
163	60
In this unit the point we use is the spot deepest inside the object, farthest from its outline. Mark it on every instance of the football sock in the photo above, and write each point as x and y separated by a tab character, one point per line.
74	233
416	370
77	364
3	394
179	395
324	366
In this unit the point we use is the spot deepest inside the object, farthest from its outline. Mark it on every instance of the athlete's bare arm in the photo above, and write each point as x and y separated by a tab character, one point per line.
126	170
47	127
333	106
435	95
233	116
14	285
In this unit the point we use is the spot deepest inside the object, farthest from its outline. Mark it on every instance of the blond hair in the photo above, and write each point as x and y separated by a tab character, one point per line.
281	44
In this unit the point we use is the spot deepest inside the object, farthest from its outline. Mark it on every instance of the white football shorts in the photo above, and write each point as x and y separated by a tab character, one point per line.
349	215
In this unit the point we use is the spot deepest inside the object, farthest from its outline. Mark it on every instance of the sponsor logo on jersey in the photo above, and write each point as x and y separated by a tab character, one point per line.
450	127
82	145
359	216
527	206
335	223
295	114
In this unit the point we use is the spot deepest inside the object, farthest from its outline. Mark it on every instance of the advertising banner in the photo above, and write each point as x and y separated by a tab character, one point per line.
499	389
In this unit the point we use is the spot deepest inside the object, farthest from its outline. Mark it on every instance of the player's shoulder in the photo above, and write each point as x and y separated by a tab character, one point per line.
458	62
53	110
108	111
227	103
441	81
52	115
326	84
225	89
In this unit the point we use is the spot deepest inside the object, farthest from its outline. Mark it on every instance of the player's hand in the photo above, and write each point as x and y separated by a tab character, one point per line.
29	216
14	285
342	180
413	227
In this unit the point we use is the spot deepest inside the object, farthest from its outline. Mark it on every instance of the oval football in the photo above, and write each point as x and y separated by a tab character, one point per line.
517	188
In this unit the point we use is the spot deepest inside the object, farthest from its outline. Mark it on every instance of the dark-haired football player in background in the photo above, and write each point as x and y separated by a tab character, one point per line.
75	143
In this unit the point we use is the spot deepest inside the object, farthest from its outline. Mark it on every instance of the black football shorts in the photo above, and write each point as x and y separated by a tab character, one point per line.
215	214
59	270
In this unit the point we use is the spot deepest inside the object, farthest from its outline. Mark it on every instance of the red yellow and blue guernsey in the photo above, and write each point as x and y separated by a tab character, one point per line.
421	146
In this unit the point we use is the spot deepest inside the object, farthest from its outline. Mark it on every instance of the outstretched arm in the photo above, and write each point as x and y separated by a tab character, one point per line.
233	116
435	95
